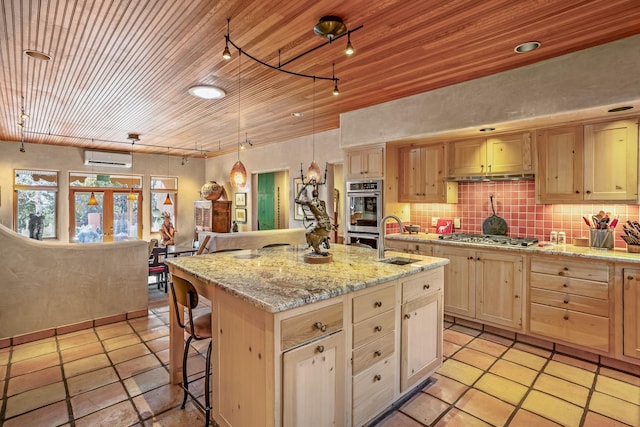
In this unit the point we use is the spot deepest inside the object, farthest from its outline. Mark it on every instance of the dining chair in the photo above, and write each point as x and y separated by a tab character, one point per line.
185	297
158	268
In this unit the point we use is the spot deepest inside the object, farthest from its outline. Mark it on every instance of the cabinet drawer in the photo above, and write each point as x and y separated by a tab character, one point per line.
373	389
422	285
308	326
570	326
373	352
373	328
373	303
568	301
579	270
585	288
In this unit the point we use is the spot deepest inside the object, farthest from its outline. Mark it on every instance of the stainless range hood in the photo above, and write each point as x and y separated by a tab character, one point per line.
495	177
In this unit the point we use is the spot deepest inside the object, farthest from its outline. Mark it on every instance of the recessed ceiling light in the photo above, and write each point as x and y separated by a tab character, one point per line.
618	109
487	129
527	47
297	114
207	92
37	55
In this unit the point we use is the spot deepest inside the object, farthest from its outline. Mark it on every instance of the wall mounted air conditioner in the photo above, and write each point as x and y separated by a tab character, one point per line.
102	158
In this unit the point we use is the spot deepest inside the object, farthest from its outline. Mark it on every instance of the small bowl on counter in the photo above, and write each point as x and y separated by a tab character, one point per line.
412	228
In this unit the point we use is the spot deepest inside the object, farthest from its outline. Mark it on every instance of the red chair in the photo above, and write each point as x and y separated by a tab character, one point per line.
158	268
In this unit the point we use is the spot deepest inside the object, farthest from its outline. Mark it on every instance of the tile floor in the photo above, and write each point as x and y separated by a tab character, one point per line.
116	375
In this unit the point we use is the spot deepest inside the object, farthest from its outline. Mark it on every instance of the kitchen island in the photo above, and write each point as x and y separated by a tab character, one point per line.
314	344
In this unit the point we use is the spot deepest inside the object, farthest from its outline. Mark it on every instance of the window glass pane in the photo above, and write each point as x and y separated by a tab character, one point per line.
88	219
160	182
158	206
36	178
36	213
83	179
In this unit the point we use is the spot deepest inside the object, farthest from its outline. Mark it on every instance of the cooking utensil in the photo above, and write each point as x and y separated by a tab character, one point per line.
494	224
586	221
613	223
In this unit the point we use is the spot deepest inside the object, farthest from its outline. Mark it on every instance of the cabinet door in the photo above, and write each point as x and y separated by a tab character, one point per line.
421	342
509	153
411	174
221	221
374	163
314	383
467	157
611	161
368	163
631	309
499	279
559	175
459	289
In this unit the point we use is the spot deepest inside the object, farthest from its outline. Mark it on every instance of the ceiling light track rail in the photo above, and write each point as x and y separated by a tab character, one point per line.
138	144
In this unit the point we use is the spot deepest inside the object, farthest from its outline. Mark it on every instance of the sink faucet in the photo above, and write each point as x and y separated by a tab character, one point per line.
381	233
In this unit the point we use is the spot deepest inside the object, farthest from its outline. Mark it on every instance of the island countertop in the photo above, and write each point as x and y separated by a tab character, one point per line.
278	279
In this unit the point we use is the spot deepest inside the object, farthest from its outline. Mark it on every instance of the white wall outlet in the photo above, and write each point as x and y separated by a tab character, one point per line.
434	221
456	222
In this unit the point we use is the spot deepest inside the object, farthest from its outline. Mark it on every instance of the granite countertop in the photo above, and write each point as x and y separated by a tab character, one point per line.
619	255
278	279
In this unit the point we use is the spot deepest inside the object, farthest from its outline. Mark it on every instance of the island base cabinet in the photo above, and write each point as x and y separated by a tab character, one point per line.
313	384
421	348
631	309
373	390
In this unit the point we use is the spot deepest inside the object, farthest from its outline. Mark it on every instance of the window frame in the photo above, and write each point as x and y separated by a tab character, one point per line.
157	193
55	189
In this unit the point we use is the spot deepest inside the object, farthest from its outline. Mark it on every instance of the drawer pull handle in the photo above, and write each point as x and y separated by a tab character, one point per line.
407	316
566	301
629	277
377	377
320	326
425	287
377	353
566	269
566	285
377	304
320	349
378	328
566	317
560	273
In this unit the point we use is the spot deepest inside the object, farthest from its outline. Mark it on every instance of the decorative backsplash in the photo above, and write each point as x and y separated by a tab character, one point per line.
515	202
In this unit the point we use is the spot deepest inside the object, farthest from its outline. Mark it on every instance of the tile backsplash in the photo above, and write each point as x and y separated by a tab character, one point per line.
515	202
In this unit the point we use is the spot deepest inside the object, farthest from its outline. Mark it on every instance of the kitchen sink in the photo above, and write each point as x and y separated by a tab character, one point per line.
400	260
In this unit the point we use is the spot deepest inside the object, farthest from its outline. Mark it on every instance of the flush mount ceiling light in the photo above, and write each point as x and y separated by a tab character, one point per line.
330	27
207	92
37	55
527	47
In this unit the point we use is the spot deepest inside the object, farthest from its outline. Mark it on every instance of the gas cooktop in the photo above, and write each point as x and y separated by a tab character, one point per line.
489	239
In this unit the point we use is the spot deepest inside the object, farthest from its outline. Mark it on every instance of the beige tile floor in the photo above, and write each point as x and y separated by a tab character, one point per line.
116	375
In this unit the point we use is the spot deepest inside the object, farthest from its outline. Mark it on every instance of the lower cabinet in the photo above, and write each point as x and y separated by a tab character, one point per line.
631	309
483	285
313	383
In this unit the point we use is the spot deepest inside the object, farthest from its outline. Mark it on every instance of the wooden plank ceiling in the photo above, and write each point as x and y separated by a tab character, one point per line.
121	67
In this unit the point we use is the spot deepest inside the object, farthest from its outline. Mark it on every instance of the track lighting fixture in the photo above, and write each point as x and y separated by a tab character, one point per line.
133	137
238	174
335	92
349	50
23	117
167	200
329	27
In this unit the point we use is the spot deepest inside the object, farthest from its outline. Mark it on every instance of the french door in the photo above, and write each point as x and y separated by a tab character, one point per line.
113	219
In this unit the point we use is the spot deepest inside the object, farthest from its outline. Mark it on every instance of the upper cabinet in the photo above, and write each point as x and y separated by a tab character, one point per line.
595	162
365	163
498	155
421	176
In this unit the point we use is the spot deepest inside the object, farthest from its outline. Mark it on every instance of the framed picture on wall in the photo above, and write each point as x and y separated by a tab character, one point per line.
299	213
241	216
241	199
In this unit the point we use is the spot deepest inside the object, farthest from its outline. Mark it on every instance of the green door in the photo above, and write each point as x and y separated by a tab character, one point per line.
266	207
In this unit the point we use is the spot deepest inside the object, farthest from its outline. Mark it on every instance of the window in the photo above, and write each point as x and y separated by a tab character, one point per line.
35	207
116	217
163	190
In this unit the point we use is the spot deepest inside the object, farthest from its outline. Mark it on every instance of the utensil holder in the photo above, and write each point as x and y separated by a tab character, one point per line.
602	238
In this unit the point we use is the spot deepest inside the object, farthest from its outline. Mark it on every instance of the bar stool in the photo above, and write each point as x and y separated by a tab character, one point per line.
199	328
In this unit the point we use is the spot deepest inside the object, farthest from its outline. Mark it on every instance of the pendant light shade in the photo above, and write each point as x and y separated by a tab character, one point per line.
92	200
131	196
238	175
168	201
313	172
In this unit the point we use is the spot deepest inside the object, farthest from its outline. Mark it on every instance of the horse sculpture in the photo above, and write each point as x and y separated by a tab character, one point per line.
319	234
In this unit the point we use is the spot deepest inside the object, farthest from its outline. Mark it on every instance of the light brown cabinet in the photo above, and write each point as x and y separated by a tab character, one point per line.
421	176
569	301
631	312
483	285
497	155
365	163
212	216
595	162
409	247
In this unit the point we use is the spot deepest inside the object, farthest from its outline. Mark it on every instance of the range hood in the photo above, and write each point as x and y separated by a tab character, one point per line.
493	177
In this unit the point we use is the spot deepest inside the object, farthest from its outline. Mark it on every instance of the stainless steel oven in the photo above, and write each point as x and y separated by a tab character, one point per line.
364	207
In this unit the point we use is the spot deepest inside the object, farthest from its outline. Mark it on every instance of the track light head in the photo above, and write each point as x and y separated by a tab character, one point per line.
349	50
226	54
336	92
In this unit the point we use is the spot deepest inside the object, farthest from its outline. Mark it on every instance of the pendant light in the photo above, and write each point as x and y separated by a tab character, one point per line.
92	198
132	195
238	174
313	171
167	200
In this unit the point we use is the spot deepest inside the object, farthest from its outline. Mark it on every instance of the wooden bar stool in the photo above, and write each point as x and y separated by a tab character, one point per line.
199	328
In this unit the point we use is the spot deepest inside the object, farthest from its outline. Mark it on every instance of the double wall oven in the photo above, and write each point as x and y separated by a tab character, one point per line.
364	211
